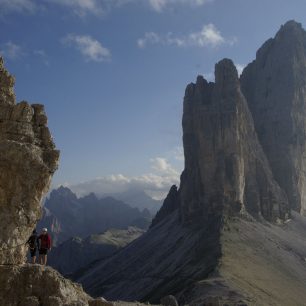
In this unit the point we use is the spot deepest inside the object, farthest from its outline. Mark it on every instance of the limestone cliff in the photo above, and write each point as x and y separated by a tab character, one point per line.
226	171
28	159
274	85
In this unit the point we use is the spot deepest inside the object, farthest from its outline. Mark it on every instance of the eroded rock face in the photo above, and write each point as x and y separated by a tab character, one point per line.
35	283
28	159
226	171
275	87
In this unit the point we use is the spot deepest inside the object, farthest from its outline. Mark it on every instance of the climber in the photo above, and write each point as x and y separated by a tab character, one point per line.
33	246
44	246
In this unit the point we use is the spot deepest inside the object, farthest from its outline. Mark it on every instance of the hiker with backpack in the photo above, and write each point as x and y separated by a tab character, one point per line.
33	246
44	246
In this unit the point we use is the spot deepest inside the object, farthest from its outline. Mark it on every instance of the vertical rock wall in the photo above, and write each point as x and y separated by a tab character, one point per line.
275	88
226	171
28	159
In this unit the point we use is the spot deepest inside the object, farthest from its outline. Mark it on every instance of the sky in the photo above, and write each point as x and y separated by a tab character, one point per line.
112	75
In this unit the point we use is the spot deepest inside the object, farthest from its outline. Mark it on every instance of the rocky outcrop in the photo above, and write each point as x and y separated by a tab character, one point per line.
38	285
35	285
274	85
226	171
28	159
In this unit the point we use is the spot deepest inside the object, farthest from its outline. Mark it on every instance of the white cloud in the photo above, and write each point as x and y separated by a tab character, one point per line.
162	166
11	51
10	6
239	68
208	36
156	183
90	48
160	5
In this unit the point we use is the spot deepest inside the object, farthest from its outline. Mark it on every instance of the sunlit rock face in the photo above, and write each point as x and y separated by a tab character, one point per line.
275	87
28	159
226	172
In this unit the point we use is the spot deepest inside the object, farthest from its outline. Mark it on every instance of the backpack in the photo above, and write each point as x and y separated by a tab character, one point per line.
32	241
45	241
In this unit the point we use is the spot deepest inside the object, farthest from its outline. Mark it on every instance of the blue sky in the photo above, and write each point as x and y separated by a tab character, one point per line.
112	74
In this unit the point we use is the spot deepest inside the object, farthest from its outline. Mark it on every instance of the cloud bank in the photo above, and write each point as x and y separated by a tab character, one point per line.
156	183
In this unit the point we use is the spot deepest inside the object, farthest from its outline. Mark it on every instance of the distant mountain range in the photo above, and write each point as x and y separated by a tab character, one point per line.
66	216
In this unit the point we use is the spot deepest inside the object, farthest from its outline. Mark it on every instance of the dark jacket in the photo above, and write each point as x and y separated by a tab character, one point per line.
33	241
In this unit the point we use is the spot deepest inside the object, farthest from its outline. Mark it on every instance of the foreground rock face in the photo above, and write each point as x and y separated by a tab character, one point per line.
35	285
275	87
28	160
38	285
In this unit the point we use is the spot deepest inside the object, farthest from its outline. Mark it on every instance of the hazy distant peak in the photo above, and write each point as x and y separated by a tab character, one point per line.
64	192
